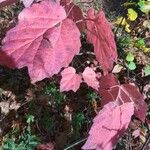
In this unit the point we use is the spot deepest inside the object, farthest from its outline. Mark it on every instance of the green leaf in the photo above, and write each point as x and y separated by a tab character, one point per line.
78	120
131	65
30	119
146	49
140	43
132	14
92	95
141	3
144	6
129	57
147	70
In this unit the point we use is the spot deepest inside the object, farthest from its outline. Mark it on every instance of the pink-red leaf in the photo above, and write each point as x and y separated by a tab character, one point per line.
66	2
89	77
109	125
99	33
5	60
43	40
107	81
122	94
74	13
48	146
70	80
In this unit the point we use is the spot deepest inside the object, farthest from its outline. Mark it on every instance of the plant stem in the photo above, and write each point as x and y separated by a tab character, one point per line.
78	142
146	142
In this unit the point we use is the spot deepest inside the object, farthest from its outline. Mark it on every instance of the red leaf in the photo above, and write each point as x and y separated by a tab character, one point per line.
99	33
122	94
70	80
43	40
5	60
66	2
109	125
74	13
89	77
48	146
107	81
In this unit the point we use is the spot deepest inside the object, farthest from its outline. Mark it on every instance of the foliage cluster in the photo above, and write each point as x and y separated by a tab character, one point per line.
47	41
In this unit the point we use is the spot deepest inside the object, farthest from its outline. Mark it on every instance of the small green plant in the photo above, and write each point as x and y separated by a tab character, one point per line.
78	120
26	141
144	6
30	119
140	43
129	57
147	70
92	96
124	41
130	61
132	14
52	90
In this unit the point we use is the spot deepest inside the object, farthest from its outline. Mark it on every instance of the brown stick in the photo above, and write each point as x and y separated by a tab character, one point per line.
4	3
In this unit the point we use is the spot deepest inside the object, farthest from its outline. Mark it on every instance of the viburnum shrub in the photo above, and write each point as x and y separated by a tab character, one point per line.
46	39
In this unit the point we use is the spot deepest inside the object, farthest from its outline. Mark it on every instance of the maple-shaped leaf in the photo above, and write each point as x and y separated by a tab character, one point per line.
99	33
44	40
89	77
122	94
70	80
74	12
109	125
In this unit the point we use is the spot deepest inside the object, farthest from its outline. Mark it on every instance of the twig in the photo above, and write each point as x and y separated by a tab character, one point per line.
89	2
129	4
119	25
146	142
70	10
75	144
